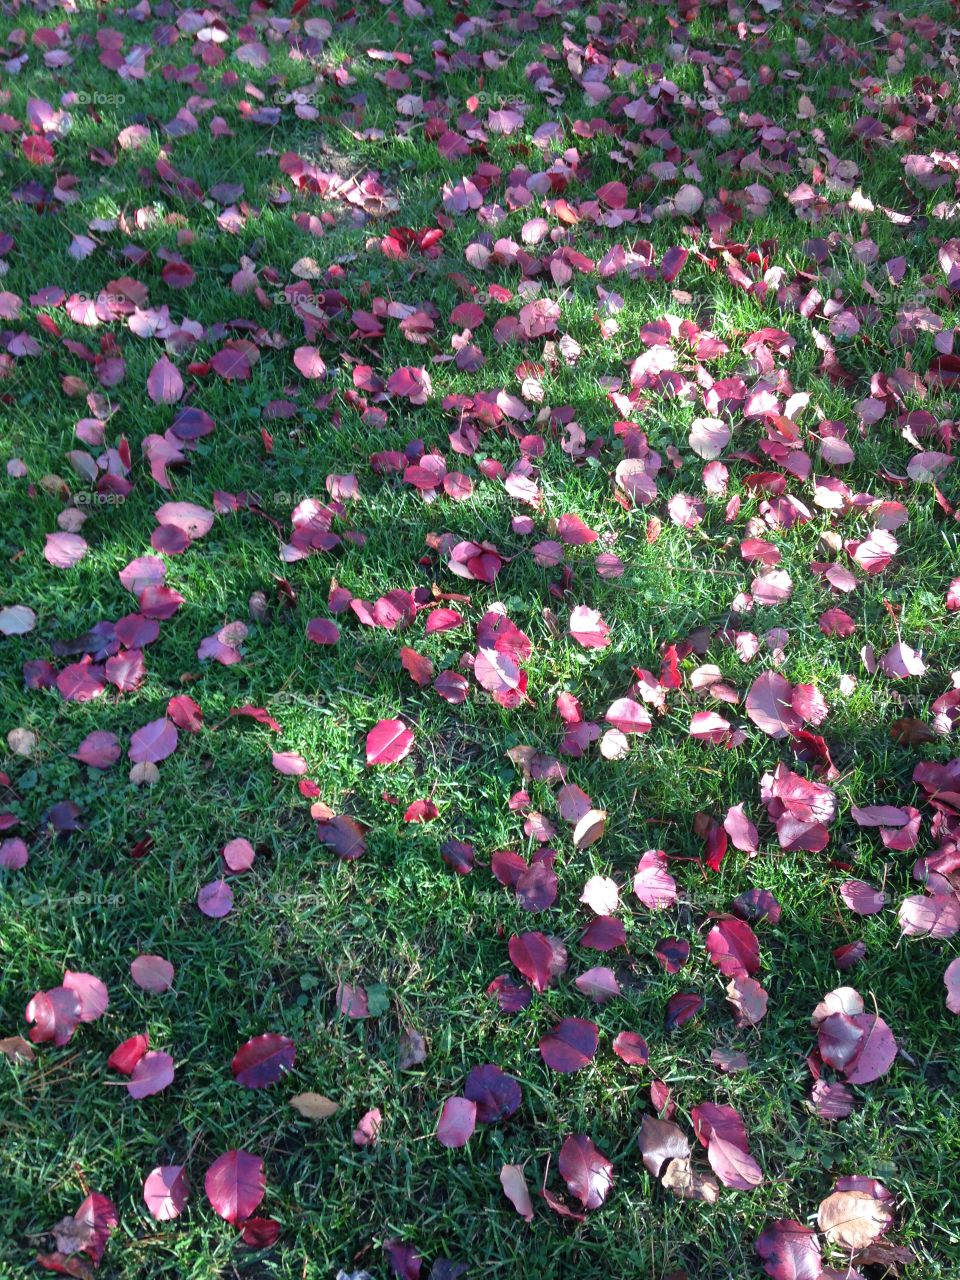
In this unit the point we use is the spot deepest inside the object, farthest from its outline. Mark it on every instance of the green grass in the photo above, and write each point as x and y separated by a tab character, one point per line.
302	920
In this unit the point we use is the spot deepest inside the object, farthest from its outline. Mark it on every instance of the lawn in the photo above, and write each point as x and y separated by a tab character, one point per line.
489	470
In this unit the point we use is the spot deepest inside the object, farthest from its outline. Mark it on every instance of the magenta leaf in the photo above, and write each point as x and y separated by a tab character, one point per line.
99	749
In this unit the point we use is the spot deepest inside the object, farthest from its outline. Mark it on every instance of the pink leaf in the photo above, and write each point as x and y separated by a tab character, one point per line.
458	1119
64	550
91	993
165	1191
769	707
629	716
309	361
154	742
238	854
862	898
516	1190
388	742
164	383
653	884
152	1074
368	1129
951	980
215	899
290	763
152	973
599	983
588	628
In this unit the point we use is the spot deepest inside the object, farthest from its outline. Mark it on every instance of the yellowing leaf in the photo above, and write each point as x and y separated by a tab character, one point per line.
314	1106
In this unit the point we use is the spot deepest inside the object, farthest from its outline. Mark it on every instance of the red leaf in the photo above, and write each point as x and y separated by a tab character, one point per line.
185	713
571	1045
235	1184
55	1014
586	1171
419	668
260	1233
631	1048
733	947
789	1251
263	1060
539	958
604	934
681	1008
126	1055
